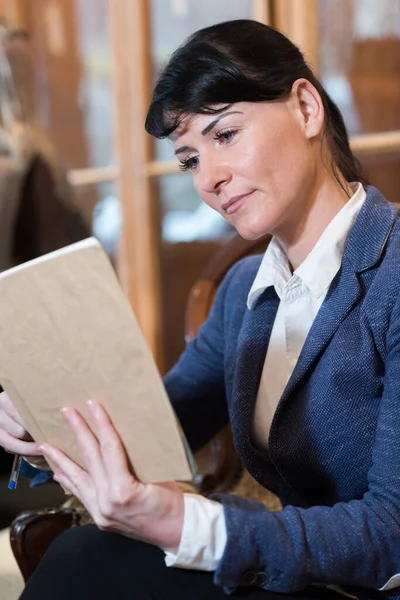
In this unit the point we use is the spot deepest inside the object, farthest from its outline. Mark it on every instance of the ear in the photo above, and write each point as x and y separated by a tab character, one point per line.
308	107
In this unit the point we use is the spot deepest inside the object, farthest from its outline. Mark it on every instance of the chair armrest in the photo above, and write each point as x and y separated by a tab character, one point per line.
32	532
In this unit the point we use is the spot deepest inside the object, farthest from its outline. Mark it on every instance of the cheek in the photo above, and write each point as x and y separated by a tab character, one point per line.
283	166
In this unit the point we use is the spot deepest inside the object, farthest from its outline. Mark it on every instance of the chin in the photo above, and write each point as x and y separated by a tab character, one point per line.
254	224
251	233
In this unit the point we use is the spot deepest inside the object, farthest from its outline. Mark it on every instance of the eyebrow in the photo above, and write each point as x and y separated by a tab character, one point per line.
209	127
183	149
213	123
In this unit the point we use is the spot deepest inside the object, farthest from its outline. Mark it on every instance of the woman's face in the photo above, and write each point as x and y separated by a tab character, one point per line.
253	163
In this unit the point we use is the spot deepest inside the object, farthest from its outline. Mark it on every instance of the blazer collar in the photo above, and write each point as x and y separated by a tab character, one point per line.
370	232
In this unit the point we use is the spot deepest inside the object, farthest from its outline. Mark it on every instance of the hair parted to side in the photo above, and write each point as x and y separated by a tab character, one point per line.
241	61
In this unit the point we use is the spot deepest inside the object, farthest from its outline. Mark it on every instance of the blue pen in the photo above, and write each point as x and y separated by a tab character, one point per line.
16	467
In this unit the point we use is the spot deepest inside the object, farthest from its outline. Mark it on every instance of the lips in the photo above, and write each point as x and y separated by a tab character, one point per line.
235	203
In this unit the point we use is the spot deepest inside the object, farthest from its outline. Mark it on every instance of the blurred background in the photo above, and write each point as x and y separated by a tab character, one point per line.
75	82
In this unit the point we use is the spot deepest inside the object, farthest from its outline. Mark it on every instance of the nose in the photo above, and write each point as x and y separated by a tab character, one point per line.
214	175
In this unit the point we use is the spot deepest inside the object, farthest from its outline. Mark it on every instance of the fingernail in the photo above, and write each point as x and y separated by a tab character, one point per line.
92	406
42	448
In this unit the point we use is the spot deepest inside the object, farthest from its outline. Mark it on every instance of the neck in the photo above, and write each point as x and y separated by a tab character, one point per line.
321	205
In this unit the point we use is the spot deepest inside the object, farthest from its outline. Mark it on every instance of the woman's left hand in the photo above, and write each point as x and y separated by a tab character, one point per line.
115	499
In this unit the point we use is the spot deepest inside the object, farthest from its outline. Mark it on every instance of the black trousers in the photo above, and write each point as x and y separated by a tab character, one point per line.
87	564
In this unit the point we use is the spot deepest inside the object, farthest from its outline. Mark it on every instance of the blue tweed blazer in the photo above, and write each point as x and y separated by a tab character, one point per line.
334	445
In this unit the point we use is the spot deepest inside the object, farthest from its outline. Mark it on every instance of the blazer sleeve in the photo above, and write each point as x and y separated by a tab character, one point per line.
355	543
196	384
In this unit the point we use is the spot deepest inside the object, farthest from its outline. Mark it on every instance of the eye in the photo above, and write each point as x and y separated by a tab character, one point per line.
225	135
189	164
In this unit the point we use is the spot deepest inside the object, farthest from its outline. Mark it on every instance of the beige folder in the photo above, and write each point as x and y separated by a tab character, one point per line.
67	335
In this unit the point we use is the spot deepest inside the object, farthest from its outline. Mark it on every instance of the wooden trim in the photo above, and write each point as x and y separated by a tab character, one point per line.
384	142
299	21
15	12
262	11
138	260
82	177
158	168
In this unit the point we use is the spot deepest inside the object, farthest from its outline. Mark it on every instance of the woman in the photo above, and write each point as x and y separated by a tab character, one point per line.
300	354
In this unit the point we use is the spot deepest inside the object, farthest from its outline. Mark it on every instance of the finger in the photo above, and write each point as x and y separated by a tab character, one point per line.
88	444
89	500
111	446
9	408
72	477
78	476
16	446
67	485
11	427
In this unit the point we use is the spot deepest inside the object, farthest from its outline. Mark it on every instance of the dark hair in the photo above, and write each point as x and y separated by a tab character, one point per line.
241	61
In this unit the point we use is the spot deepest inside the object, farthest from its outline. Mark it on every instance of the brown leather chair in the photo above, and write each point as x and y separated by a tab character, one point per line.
32	532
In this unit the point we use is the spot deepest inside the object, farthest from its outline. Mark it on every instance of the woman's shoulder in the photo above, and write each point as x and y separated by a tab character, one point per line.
384	277
391	256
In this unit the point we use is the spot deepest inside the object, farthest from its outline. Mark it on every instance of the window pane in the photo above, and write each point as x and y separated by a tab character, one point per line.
173	20
359	61
96	93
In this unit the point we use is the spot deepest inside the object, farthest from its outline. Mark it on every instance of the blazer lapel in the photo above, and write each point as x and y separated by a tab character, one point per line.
251	351
342	295
253	341
252	348
363	249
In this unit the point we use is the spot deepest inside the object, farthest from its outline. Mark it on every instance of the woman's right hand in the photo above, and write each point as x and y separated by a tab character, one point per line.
13	434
